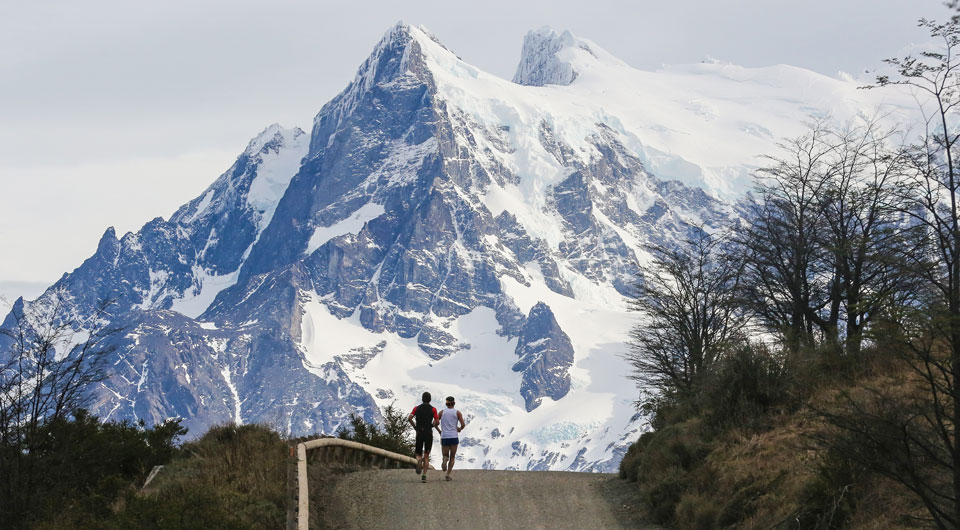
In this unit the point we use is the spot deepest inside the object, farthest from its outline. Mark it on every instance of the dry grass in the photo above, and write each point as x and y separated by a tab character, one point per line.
767	472
776	476
239	473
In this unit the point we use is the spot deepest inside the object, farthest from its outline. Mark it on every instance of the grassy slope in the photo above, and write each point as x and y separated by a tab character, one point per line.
770	474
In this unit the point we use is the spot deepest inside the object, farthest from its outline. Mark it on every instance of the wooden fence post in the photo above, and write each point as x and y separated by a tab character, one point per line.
303	497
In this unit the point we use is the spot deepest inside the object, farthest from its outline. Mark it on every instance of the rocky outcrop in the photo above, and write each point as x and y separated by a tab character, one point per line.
540	58
546	356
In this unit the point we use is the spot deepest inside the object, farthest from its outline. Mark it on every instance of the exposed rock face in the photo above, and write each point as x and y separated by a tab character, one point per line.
541	62
546	356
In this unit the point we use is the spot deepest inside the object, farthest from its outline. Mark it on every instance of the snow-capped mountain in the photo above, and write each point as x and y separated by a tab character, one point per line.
441	229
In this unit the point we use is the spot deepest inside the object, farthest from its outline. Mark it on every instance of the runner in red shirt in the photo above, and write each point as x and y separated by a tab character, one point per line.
426	420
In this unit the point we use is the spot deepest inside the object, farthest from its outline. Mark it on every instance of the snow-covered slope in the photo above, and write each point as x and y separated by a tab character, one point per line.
442	229
702	124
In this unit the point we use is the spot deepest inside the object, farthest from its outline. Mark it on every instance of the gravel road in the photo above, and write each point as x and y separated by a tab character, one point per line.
479	499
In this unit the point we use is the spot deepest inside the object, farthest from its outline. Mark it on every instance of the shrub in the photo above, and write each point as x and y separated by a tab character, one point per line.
82	465
233	477
748	384
666	464
240	471
630	465
663	495
393	435
696	512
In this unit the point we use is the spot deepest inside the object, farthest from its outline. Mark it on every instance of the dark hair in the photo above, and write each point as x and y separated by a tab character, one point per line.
426	397
450	399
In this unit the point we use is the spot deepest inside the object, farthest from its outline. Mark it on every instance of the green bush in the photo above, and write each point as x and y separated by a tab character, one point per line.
195	506
81	465
191	507
393	435
232	477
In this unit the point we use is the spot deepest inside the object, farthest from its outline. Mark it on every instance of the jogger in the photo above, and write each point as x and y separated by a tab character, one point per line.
451	423
426	421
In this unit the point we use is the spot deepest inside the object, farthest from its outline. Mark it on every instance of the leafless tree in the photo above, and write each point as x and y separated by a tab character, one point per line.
50	360
689	314
823	236
912	435
866	234
790	285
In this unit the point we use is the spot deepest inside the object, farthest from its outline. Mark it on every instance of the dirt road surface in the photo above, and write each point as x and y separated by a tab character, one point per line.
478	499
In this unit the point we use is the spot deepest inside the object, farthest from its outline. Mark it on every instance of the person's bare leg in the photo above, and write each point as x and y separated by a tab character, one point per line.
426	465
452	458
445	450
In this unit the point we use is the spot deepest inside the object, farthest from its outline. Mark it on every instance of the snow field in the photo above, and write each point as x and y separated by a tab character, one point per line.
480	376
702	124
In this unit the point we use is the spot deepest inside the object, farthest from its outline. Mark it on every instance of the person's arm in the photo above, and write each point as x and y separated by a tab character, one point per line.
462	423
436	420
410	418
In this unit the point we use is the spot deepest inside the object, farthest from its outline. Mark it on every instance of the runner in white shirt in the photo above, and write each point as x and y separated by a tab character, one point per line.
451	423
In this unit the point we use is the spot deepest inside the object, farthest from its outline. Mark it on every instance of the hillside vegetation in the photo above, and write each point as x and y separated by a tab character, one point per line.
231	477
803	364
755	451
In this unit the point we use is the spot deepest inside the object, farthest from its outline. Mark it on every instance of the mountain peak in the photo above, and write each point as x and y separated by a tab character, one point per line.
399	33
109	245
401	49
399	57
390	59
403	33
274	135
549	57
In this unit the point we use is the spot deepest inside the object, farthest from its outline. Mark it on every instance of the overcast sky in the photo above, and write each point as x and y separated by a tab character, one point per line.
115	112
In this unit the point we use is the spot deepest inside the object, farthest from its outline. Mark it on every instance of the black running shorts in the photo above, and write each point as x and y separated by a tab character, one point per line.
424	442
